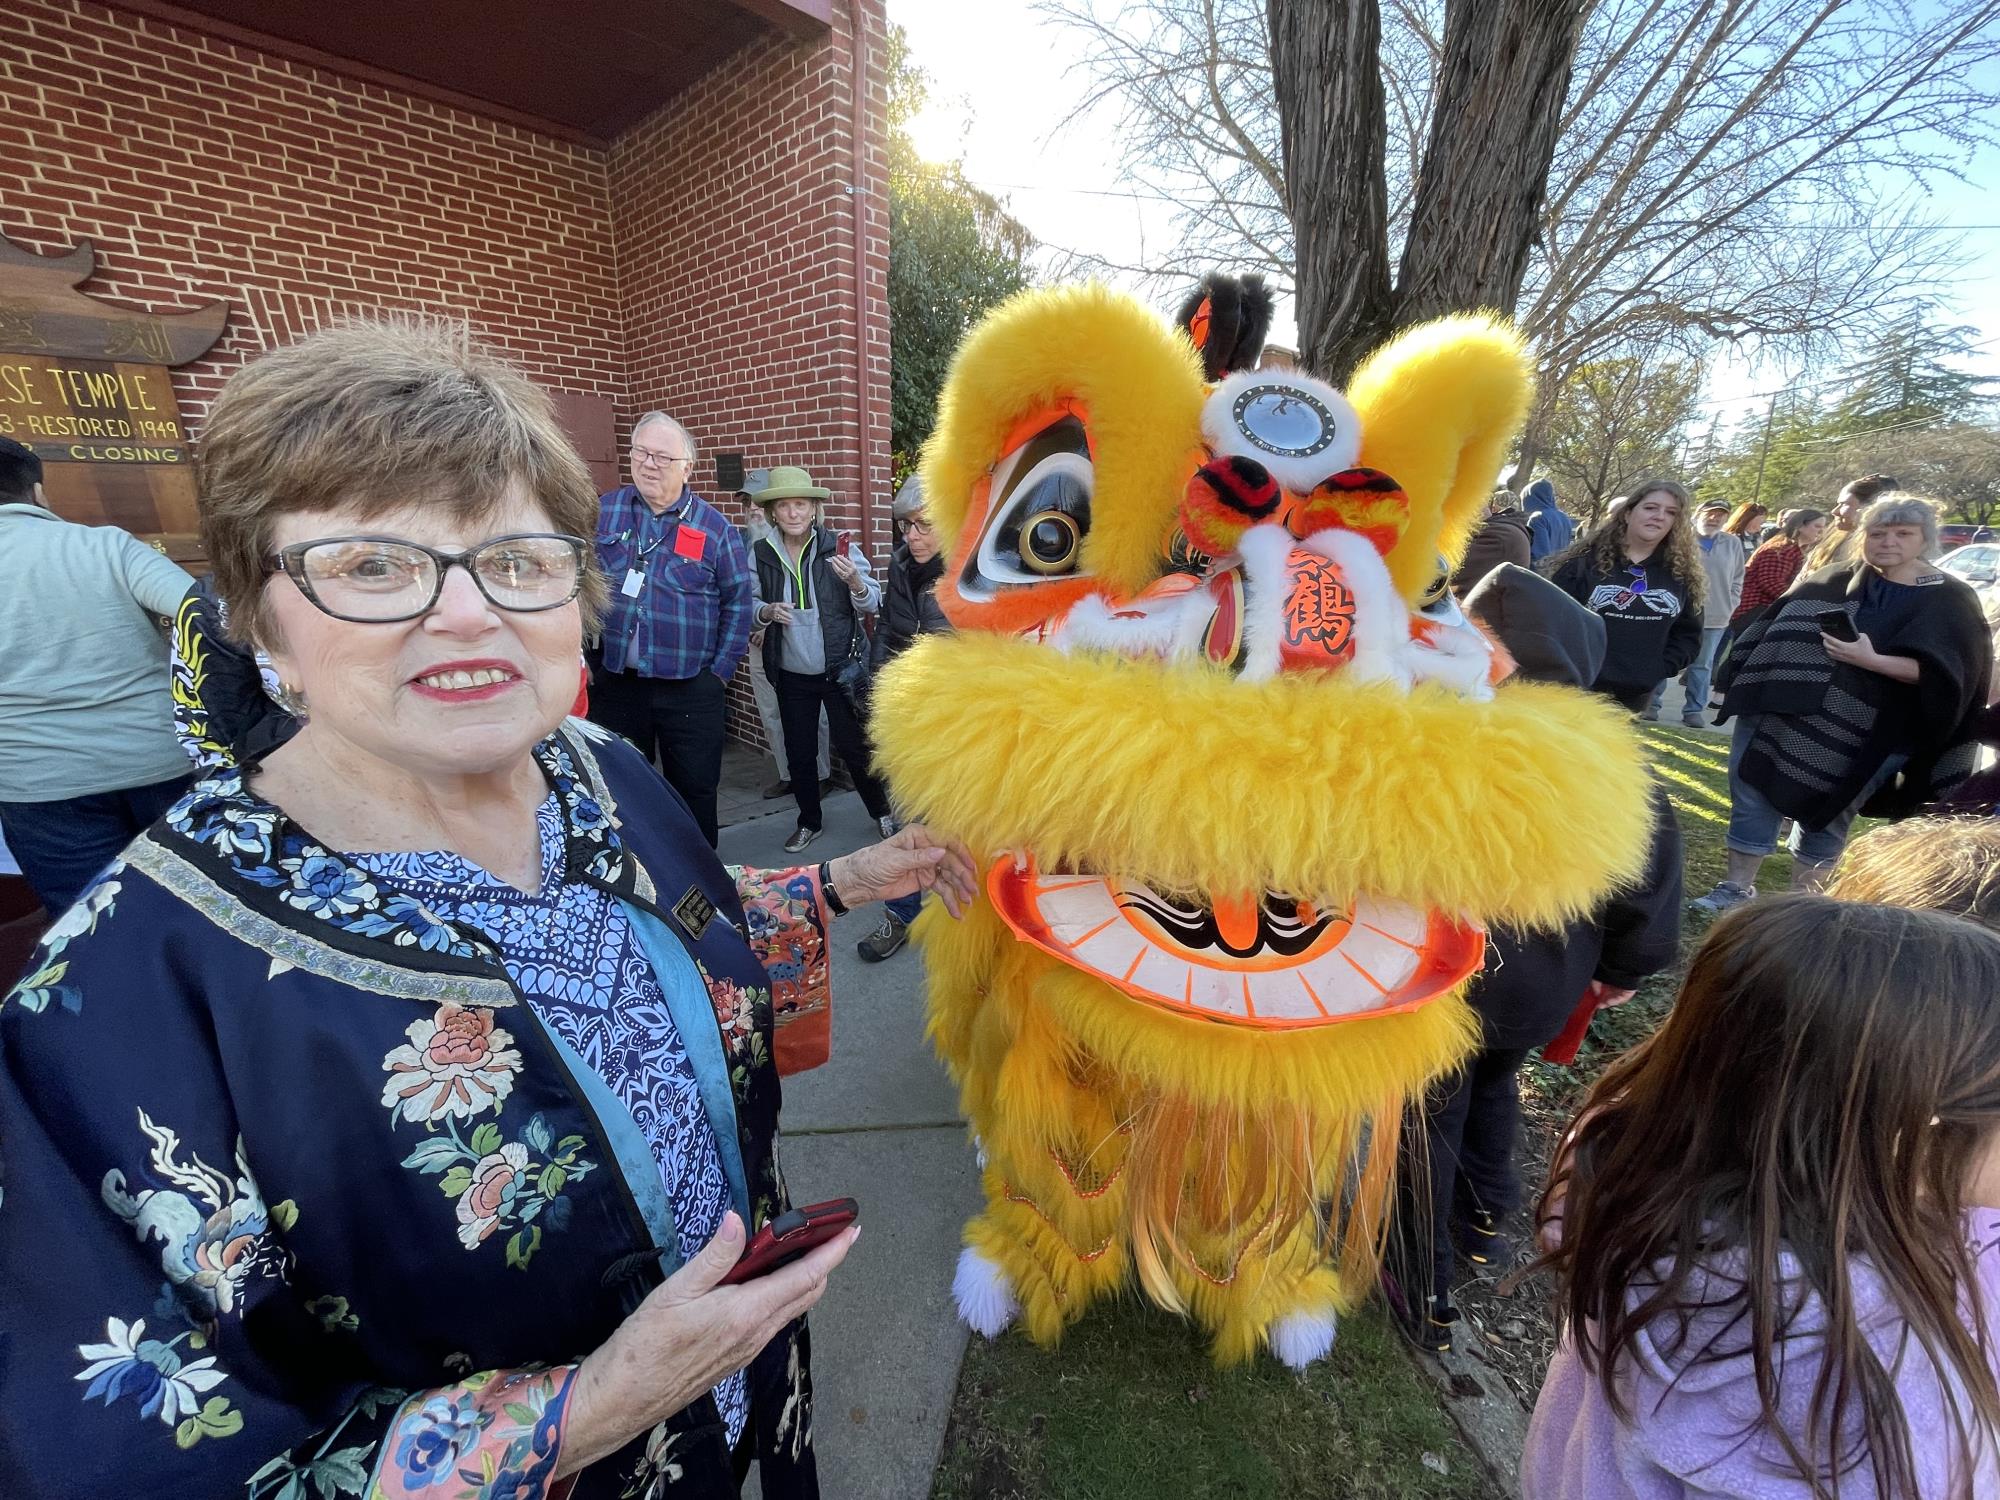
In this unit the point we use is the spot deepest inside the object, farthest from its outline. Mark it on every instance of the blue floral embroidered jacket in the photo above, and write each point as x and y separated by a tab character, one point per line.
298	1197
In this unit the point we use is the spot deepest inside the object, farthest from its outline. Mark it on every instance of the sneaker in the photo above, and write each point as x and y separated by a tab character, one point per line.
1439	1320
1481	1242
1697	722
888	824
1651	716
800	838
884	940
1725	895
777	789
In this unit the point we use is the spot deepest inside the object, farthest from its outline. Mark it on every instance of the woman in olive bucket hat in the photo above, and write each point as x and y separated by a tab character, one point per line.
812	590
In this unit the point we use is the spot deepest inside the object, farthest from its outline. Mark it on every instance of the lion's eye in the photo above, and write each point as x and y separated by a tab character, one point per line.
1040	515
1438	589
1051	539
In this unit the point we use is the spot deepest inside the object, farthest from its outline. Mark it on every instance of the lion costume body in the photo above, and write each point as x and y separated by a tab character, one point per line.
1244	789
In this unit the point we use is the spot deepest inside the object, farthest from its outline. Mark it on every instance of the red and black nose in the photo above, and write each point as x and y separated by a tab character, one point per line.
1227	496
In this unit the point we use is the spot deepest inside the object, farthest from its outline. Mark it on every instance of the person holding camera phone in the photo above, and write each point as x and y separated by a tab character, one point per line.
1857	688
393	1114
813	588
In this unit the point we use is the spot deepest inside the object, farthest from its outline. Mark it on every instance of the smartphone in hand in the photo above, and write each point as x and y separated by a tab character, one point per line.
843	543
1840	625
790	1235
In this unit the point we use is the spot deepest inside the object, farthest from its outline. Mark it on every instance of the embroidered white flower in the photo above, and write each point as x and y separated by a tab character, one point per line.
82	917
458	1064
495	1181
130	1364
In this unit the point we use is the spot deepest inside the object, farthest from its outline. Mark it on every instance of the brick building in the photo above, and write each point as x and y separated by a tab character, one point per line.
647	203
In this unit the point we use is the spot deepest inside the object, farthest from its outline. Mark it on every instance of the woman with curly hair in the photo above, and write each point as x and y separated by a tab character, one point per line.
1639	568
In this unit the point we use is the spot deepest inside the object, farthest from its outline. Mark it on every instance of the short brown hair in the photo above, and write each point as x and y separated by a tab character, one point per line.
1932	864
379	416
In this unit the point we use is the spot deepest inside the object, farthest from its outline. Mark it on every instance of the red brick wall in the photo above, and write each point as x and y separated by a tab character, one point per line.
704	263
203	169
734	224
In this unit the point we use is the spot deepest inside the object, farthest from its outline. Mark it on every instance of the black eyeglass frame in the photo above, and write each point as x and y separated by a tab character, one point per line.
291	561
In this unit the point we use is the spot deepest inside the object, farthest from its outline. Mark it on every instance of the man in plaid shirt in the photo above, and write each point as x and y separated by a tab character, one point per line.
679	620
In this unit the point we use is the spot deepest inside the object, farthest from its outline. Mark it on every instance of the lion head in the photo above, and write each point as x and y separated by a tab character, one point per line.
1246	785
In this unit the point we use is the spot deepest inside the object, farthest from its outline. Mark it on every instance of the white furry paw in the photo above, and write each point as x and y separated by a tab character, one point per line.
1300	1338
986	1302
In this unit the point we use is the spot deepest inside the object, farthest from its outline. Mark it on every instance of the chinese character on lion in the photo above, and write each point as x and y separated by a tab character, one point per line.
1245	787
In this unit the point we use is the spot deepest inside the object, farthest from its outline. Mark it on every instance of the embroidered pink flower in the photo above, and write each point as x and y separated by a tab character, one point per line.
494	1183
458	1063
733	1008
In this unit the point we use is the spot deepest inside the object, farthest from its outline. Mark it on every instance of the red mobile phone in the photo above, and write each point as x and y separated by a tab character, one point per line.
843	543
790	1235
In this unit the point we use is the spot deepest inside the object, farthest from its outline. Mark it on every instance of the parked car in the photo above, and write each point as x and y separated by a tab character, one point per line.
1978	565
1958	534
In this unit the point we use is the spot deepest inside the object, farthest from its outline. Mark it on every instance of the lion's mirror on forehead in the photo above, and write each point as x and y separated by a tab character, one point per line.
1282	419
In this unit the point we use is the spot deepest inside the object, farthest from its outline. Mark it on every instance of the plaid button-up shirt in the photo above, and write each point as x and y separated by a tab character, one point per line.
690	614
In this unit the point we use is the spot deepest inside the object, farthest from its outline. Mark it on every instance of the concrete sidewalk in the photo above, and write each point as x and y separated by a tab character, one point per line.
879	1123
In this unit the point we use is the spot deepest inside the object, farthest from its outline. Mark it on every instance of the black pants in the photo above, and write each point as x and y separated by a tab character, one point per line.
1466	1132
800	698
62	846
681	719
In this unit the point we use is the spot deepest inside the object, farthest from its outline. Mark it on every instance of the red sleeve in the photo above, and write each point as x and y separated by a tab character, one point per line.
1769	573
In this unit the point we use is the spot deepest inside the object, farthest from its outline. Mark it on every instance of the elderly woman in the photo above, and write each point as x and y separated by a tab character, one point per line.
1864	679
383	1123
813	588
909	609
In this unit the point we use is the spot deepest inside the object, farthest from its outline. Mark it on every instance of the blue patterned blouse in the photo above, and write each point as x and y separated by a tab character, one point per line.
574	956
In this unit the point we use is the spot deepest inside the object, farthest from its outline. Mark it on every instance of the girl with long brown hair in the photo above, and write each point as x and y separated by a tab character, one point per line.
1773	1228
1641	570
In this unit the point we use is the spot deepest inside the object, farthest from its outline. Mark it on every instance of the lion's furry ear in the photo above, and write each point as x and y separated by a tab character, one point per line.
1227	318
1440	405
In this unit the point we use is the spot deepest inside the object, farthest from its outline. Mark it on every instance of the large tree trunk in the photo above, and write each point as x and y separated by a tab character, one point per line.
1325	62
1502	78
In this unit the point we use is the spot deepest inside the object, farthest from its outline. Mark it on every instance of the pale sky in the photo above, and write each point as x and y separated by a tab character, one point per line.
1001	85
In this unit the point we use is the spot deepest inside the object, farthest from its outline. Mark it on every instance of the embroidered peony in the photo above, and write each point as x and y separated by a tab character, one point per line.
458	1063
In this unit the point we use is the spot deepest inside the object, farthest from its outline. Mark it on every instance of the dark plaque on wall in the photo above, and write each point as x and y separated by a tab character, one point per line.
85	385
729	472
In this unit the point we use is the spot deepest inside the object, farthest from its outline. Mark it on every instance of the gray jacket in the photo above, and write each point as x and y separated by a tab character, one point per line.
1723	562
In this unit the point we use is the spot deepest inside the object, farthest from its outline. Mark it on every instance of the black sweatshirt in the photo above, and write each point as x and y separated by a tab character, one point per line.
1533	980
1649	633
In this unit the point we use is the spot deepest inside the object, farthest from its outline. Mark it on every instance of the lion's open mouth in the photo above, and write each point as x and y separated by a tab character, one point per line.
1271	962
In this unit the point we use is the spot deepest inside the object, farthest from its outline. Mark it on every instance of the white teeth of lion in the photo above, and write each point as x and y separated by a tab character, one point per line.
451	681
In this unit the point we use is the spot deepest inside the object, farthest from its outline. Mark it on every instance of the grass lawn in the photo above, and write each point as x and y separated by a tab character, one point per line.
1131	1406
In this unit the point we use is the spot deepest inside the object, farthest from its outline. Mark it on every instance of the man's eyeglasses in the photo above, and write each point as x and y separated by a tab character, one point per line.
648	456
919	523
380	580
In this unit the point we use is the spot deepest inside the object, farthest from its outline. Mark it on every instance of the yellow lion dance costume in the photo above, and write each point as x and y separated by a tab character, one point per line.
1244	787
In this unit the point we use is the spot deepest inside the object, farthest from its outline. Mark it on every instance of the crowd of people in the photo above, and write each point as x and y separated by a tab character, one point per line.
336	866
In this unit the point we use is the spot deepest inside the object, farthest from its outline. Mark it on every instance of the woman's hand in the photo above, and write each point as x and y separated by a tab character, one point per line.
779	613
846	572
1608	995
688	1334
1860	652
914	860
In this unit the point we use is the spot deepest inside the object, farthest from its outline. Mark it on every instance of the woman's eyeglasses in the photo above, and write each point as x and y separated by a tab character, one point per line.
380	580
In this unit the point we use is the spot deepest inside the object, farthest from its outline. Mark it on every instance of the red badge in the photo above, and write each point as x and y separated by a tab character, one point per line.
690	542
